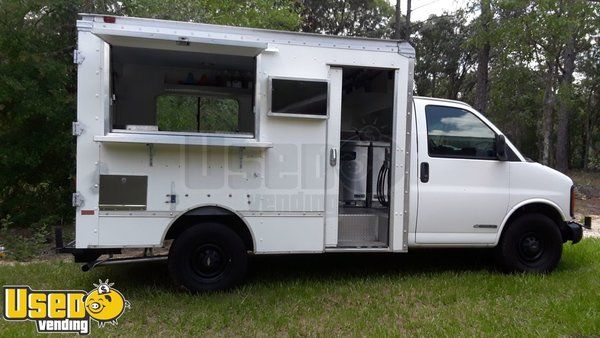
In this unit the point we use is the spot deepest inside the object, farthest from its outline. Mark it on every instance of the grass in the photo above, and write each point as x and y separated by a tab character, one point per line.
428	293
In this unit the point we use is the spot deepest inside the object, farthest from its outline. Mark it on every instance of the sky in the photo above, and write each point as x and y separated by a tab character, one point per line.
422	9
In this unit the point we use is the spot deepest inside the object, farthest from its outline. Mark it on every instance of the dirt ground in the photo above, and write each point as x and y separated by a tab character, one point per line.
587	190
591	208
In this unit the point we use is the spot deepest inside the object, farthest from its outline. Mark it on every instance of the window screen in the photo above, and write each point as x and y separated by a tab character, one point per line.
454	132
197	114
177	113
299	97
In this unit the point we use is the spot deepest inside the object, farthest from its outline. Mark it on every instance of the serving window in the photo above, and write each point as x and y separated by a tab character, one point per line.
182	92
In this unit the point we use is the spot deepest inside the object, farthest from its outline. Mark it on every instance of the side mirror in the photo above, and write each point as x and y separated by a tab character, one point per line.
501	148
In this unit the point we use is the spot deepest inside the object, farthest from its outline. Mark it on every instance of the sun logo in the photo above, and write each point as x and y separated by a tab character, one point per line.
105	304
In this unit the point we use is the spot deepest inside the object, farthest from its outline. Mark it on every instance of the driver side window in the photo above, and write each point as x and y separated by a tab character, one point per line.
458	133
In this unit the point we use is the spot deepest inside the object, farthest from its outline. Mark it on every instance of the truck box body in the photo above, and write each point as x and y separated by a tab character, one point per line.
276	175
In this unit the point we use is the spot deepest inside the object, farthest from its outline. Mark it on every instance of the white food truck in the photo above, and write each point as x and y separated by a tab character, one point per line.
220	142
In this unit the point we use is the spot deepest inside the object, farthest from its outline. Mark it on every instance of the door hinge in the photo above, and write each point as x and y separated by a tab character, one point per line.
77	199
78	57
77	129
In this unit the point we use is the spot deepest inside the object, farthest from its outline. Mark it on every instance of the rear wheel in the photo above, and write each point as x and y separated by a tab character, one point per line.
207	257
532	243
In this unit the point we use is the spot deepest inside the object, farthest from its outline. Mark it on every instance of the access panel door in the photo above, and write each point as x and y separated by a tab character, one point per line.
463	186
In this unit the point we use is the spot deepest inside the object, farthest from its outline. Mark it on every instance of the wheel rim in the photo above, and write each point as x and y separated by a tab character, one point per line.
208	261
531	247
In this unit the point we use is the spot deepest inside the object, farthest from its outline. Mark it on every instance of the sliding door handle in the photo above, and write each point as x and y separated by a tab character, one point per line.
424	172
332	157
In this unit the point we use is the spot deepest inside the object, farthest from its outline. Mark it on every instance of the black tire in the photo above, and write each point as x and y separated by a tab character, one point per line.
207	257
531	243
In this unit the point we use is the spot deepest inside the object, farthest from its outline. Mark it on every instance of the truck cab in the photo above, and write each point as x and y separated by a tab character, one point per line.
214	143
483	183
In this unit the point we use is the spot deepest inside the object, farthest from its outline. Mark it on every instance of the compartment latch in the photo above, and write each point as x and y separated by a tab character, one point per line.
77	129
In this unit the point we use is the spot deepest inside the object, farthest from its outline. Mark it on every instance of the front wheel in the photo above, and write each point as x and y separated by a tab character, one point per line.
207	257
532	243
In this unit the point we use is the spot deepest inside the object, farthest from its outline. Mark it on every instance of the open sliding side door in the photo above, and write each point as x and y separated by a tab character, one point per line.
402	151
332	171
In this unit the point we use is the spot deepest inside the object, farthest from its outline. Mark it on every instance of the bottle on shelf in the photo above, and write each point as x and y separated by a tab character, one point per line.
227	77
189	79
236	81
203	80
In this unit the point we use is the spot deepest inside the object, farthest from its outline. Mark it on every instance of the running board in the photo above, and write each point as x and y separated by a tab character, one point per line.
361	244
358	249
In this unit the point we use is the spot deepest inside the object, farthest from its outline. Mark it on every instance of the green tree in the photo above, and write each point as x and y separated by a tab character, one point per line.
483	55
548	35
444	59
36	109
372	18
271	14
588	113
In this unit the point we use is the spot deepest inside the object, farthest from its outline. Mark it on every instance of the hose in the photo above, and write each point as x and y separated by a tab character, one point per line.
381	181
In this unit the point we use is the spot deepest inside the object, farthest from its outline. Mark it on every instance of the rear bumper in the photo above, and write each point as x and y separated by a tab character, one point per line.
573	232
81	255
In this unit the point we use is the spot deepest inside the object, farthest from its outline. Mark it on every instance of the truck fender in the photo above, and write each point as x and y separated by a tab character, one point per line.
209	209
523	204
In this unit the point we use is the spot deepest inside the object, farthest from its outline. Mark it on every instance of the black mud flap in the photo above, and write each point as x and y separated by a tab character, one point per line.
574	232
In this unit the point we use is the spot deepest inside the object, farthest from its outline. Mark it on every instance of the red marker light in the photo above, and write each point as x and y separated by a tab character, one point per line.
109	19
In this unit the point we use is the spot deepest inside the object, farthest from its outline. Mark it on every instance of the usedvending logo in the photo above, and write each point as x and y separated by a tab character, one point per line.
64	311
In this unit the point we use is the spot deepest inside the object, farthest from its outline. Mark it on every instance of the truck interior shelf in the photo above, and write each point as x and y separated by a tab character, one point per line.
206	90
182	139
